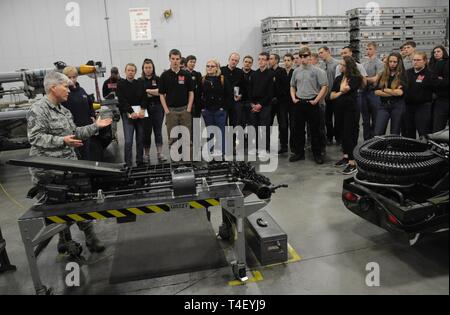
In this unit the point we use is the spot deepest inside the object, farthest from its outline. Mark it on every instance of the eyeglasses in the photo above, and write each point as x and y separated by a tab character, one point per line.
210	66
304	56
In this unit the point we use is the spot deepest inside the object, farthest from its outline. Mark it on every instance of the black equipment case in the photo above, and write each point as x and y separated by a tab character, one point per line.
266	238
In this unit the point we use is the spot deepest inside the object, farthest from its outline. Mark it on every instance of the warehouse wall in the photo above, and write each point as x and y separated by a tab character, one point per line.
34	34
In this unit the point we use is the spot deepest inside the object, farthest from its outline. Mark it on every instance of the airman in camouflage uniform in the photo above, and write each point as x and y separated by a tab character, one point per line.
48	124
52	132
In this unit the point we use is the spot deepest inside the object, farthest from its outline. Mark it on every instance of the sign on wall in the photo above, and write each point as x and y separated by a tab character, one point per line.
140	24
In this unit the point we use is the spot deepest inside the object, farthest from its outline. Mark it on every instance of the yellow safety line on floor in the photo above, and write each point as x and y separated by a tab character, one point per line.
257	277
293	257
11	197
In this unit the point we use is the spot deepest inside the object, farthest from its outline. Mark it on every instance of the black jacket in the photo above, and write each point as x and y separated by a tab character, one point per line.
441	71
214	92
197	79
235	78
129	94
80	105
152	84
246	83
110	86
349	99
420	86
278	91
261	87
285	85
393	99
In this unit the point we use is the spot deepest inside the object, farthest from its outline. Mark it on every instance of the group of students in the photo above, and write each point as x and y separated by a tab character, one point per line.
406	90
223	96
313	94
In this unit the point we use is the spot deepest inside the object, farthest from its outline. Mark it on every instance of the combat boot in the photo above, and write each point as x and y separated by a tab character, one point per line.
92	242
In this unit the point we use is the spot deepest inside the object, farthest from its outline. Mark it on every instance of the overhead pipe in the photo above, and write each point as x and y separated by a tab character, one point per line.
108	32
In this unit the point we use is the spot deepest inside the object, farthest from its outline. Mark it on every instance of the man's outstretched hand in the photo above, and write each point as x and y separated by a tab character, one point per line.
71	141
102	123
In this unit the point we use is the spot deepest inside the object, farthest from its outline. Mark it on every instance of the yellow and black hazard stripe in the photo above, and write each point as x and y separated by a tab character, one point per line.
126	213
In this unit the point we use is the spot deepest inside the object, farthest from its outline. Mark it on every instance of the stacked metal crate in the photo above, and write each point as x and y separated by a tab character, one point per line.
391	27
283	35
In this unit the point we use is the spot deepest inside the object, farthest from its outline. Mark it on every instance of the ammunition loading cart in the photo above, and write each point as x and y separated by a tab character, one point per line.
82	191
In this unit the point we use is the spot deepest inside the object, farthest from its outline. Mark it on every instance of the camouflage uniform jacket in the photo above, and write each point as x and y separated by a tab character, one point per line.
47	126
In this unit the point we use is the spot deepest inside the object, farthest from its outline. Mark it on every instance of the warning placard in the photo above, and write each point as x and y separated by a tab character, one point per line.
140	24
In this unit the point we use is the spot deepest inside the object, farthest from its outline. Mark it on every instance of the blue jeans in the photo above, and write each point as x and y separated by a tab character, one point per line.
370	103
129	127
393	112
216	118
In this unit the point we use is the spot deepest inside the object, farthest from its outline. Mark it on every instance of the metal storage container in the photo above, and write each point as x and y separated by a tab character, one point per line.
297	37
303	22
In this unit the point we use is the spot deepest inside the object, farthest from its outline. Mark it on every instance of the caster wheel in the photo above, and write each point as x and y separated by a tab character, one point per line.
45	291
240	272
74	249
225	232
71	248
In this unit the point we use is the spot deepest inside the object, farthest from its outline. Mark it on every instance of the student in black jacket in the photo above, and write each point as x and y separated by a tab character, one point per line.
215	90
345	94
80	105
191	61
439	66
130	94
274	65
261	95
110	85
281	102
419	97
234	75
151	101
286	103
246	82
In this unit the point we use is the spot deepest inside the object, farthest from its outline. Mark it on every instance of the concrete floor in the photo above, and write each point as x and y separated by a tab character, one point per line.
335	246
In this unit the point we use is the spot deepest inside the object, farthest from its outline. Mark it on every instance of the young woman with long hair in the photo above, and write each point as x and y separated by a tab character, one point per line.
344	94
390	88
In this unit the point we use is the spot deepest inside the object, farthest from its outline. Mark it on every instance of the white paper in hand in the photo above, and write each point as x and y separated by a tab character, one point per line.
137	109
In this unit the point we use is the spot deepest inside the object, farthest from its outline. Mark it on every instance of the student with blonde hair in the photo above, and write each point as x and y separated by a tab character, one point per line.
215	90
